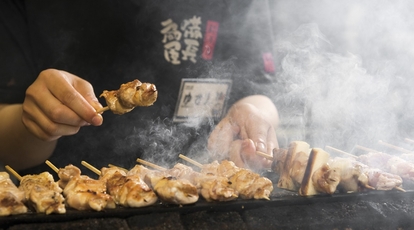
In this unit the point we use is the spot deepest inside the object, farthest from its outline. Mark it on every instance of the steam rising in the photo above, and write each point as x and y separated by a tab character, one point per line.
346	69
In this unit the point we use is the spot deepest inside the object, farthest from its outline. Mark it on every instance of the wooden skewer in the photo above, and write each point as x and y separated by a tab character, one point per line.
53	167
118	167
409	140
14	173
265	155
340	151
366	149
90	167
190	161
394	147
103	109
400	189
150	164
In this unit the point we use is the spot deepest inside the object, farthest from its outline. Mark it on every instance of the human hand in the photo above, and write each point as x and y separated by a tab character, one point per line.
59	103
242	132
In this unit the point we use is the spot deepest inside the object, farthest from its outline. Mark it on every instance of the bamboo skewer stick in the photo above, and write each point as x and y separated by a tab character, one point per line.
409	140
52	166
103	109
13	172
90	167
151	164
394	147
340	151
118	167
190	161
366	149
265	155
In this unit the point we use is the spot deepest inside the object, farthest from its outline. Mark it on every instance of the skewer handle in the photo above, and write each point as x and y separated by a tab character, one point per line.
150	164
366	149
114	166
394	147
52	166
90	167
190	161
340	151
14	173
409	140
265	155
101	110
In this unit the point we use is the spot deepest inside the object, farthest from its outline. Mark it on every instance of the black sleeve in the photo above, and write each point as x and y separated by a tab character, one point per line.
17	69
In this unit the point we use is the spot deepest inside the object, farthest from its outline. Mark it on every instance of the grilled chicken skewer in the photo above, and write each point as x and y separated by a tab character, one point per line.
128	96
327	175
168	188
357	176
210	187
248	184
11	198
389	163
128	191
82	192
41	192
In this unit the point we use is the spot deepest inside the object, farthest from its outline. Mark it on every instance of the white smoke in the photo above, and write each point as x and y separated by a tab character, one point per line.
347	64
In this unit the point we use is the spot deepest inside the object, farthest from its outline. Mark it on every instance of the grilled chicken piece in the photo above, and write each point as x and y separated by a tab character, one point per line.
250	185
43	193
85	193
247	184
285	179
176	191
356	176
312	183
128	191
298	167
389	163
210	169
130	95
65	174
326	179
11	198
168	188
279	157
216	188
211	187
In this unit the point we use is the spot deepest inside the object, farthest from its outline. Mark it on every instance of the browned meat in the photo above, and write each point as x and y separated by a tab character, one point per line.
43	193
85	193
11	198
128	191
130	95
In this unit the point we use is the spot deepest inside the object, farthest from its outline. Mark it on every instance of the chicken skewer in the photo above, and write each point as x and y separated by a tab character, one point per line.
126	190
41	192
11	198
210	187
129	96
389	163
168	188
80	191
248	184
346	174
357	176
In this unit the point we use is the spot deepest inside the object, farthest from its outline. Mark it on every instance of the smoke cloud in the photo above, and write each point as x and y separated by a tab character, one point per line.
346	70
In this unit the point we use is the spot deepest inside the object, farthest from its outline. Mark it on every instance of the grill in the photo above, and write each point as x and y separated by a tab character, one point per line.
285	210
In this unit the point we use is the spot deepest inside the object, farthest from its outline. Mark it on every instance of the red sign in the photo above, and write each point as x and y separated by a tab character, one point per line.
210	39
269	65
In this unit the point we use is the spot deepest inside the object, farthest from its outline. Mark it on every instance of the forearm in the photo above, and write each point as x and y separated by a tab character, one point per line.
20	149
263	104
